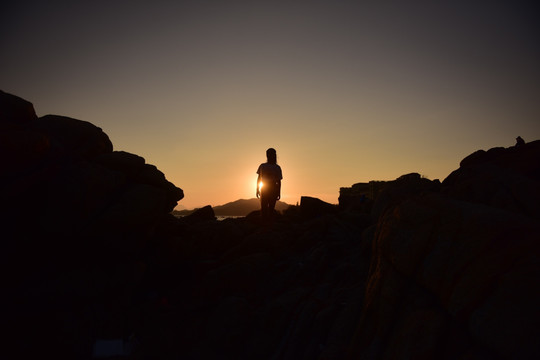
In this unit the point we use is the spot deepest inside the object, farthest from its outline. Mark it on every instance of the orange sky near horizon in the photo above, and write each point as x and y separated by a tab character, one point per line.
345	91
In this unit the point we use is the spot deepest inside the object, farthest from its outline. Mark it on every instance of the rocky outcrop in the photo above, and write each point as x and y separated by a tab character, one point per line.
67	169
400	189
453	270
310	207
75	218
419	269
451	279
15	110
359	196
205	213
241	289
506	178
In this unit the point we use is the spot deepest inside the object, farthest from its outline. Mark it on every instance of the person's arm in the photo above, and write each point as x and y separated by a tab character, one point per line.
258	192
279	183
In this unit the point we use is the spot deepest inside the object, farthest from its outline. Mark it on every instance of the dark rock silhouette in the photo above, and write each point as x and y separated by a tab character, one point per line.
15	110
505	178
205	213
310	207
451	272
409	268
394	192
447	279
359	197
241	207
72	139
71	207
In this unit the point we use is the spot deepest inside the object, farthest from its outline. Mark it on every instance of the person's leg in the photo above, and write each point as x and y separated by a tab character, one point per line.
271	206
264	206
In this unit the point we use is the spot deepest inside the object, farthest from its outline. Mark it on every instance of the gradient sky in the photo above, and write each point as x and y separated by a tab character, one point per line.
346	91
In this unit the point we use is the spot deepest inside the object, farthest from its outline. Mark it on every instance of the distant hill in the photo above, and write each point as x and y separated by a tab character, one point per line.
240	207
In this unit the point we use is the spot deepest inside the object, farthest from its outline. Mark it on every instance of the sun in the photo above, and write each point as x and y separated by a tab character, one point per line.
260	185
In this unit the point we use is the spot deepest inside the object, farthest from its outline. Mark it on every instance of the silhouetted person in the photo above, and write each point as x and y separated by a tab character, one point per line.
270	176
519	141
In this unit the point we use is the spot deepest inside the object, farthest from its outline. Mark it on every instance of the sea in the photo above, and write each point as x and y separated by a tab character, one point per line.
227	217
219	218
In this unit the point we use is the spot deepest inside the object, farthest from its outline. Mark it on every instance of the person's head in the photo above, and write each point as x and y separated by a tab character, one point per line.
271	156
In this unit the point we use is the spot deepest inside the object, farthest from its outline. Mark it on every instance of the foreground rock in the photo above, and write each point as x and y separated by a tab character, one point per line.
75	217
505	178
410	268
453	271
451	279
67	169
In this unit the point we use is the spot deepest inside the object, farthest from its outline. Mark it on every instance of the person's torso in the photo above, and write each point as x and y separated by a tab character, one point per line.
270	173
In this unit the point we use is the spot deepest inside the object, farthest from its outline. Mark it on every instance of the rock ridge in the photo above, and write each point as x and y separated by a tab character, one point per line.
409	268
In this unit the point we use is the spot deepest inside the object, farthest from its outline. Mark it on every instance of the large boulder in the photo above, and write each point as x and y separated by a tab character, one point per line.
19	146
70	166
128	164
206	213
507	178
394	192
73	138
454	267
76	221
67	169
451	279
15	110
310	206
134	168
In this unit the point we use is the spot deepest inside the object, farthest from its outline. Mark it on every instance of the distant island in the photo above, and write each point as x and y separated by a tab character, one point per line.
241	207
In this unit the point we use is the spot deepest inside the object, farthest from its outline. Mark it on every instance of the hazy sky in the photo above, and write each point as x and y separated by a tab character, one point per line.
346	91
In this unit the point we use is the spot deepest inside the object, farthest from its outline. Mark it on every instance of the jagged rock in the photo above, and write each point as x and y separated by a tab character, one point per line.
433	272
15	110
126	163
205	213
19	147
150	175
136	206
403	187
73	138
77	195
71	211
359	197
228	325
137	171
442	264
310	206
82	184
507	178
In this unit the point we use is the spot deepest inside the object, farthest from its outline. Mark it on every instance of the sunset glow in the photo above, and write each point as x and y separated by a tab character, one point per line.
345	91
